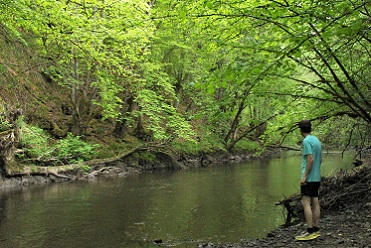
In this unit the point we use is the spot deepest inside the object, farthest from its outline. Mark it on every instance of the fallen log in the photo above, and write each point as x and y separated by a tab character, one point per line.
41	170
60	171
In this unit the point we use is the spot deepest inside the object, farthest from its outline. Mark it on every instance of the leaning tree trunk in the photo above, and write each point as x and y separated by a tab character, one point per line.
121	126
8	140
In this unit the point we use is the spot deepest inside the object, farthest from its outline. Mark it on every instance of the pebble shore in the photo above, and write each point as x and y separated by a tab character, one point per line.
347	226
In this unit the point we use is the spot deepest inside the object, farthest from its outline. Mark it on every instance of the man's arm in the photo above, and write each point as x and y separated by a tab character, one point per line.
310	160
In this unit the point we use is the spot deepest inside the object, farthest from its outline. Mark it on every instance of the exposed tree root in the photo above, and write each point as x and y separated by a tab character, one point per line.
107	169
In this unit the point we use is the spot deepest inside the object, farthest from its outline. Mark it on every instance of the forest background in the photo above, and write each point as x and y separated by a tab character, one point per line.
92	79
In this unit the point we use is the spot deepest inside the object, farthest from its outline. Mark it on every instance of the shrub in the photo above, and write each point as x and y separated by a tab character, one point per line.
4	124
246	145
34	142
73	149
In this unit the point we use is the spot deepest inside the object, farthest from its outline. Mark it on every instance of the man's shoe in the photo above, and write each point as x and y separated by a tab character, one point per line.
307	236
317	234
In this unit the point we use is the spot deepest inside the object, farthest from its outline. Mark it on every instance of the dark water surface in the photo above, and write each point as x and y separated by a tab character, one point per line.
182	208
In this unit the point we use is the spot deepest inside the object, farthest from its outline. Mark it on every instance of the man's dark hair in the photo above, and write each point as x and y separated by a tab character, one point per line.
305	126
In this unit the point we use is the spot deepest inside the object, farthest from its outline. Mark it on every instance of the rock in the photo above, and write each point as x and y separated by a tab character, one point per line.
157	241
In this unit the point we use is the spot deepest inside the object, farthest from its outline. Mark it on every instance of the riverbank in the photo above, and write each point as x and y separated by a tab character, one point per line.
119	167
346	222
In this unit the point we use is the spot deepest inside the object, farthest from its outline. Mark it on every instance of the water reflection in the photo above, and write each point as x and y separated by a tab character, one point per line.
183	208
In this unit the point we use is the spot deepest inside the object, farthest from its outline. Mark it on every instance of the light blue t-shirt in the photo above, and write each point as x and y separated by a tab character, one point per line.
311	145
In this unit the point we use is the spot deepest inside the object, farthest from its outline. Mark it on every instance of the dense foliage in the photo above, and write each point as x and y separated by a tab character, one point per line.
200	75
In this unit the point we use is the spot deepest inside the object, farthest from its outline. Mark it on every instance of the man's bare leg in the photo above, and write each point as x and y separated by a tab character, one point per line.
305	201
316	211
311	217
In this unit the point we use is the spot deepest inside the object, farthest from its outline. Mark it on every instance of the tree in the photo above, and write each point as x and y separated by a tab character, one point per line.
93	48
234	70
14	15
325	41
328	42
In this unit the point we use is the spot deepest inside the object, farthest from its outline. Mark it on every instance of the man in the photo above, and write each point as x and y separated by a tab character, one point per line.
310	180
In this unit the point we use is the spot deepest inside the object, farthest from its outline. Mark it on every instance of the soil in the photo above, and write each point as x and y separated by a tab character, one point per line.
348	226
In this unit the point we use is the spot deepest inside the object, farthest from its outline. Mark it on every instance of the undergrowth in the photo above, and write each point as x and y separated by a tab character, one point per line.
207	144
35	144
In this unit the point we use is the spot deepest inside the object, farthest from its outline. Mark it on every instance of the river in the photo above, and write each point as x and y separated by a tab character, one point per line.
220	203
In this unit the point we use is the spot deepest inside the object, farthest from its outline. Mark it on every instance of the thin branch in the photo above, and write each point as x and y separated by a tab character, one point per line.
244	134
338	62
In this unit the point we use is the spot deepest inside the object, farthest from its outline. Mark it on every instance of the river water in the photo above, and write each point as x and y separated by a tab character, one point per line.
220	203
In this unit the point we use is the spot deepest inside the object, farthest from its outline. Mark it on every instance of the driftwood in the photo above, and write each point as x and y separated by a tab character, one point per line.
346	187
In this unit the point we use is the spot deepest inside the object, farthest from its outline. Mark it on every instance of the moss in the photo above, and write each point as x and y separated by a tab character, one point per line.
111	147
34	169
57	131
186	147
146	156
85	168
12	167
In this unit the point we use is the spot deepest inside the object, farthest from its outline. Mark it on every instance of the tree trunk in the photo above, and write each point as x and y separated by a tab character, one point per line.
120	127
76	128
8	141
234	125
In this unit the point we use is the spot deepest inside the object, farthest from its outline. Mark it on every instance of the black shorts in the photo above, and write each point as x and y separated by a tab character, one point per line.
310	189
